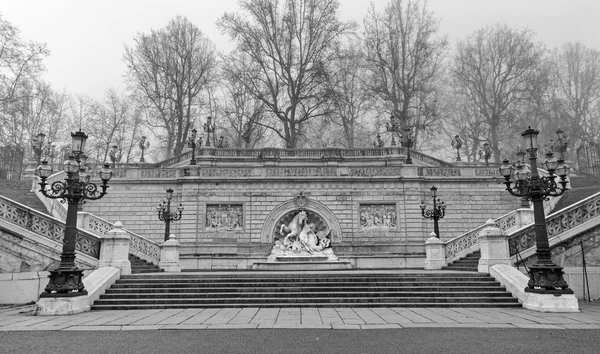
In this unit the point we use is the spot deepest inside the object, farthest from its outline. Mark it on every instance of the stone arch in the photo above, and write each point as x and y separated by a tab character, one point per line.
272	220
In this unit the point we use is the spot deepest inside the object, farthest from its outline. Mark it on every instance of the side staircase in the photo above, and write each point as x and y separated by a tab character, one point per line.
468	263
139	265
305	289
19	191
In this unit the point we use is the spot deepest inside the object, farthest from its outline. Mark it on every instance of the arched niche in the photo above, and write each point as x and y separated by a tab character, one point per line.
317	213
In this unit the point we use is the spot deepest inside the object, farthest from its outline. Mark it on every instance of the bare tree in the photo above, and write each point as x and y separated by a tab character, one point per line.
404	55
169	70
20	62
497	68
577	84
352	98
289	44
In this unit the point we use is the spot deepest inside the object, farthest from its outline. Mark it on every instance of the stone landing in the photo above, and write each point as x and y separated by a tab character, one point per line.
302	263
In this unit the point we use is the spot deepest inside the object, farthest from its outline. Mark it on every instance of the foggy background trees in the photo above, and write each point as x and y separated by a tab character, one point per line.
298	76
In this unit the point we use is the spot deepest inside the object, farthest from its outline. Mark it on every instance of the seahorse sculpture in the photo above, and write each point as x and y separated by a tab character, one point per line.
293	228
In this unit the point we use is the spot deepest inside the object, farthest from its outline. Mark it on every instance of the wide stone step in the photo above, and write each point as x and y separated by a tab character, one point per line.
259	301
312	305
166	290
371	285
300	294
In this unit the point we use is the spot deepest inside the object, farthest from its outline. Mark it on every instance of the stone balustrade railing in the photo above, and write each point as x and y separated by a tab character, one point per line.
54	206
47	226
140	246
557	223
469	242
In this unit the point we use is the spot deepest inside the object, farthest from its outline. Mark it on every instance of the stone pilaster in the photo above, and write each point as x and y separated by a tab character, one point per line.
169	255
115	249
493	244
434	252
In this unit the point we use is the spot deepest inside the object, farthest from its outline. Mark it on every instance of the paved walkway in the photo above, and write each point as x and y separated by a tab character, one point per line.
21	319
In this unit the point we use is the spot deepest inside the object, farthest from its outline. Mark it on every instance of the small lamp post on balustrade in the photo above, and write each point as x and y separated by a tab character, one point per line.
144	145
115	155
66	281
545	277
407	142
37	145
437	212
191	143
209	128
486	153
457	144
165	214
394	127
561	143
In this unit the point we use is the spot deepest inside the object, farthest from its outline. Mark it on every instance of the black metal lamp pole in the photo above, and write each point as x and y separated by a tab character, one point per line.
438	211
209	128
457	144
66	281
192	144
486	153
165	214
37	144
545	277
408	143
143	146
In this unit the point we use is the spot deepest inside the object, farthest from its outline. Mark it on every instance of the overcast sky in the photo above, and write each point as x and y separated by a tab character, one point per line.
86	38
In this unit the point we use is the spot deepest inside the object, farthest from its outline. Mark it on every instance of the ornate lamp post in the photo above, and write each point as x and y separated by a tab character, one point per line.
457	144
66	281
408	143
37	144
114	154
144	145
486	153
437	212
545	277
561	143
192	144
394	126
165	214
209	128
379	142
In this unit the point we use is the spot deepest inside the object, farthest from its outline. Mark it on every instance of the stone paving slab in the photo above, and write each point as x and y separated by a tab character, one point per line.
21	319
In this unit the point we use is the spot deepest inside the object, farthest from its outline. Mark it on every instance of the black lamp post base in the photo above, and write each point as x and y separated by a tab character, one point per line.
547	279
65	283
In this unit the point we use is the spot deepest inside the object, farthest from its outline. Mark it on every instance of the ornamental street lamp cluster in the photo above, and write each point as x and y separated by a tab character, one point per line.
486	153
545	277
144	145
561	143
66	281
209	128
394	126
165	214
437	212
457	144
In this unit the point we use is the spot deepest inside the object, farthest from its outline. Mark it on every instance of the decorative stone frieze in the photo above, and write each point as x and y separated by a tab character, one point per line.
441	172
224	217
375	171
301	172
378	216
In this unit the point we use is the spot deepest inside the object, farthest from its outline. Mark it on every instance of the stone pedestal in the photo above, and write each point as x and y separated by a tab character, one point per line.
434	252
52	306
115	249
493	244
169	255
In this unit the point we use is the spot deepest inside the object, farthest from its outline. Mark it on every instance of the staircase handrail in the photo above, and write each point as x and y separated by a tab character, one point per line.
556	223
47	226
139	246
469	241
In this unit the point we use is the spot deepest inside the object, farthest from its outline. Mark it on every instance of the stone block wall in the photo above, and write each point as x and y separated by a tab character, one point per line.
470	200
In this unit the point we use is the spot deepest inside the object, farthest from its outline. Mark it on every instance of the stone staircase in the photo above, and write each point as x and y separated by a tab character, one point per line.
468	263
305	289
19	191
139	266
581	188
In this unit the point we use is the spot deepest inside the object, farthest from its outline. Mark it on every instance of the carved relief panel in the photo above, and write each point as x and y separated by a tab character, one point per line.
229	217
378	216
